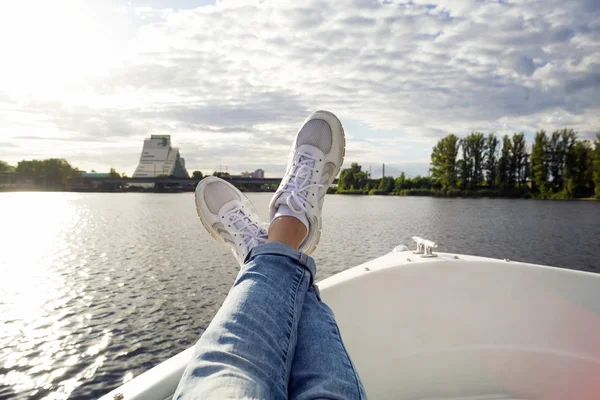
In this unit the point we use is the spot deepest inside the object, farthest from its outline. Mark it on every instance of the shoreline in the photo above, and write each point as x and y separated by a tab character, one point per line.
354	193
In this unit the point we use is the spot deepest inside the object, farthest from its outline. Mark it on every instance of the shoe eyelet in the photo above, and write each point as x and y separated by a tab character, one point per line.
229	226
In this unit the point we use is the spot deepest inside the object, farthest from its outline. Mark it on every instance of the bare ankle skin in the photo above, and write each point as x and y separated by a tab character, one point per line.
288	230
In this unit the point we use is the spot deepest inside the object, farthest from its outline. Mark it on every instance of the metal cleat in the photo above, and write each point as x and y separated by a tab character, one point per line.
424	247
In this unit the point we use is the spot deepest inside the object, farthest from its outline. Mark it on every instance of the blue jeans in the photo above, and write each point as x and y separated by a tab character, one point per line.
273	338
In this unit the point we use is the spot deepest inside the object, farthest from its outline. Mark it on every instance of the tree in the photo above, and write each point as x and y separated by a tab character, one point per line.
539	164
421	182
53	172
443	162
400	183
471	166
353	178
4	167
502	173
386	184
578	170
559	145
221	174
477	142
490	163
197	175
113	174
518	162
555	157
596	166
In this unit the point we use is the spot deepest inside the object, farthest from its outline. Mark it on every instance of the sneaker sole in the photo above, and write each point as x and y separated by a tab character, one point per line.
317	237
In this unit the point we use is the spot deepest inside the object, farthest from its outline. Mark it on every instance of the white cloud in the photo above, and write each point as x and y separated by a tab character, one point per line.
233	81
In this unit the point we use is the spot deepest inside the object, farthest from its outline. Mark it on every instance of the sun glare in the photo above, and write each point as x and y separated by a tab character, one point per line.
34	225
53	48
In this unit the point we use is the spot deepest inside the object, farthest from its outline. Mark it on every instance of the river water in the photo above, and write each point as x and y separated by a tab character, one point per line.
98	288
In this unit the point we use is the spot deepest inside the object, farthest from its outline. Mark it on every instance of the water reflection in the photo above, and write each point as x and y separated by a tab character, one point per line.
41	235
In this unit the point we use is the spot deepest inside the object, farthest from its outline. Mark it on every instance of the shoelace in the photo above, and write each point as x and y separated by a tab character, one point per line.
251	232
300	182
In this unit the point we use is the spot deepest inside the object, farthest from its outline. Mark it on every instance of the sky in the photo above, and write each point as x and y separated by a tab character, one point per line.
232	80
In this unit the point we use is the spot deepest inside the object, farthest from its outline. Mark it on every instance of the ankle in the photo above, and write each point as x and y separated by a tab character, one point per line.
287	229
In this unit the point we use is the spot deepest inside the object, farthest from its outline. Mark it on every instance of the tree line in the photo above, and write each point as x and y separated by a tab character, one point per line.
354	180
559	165
52	173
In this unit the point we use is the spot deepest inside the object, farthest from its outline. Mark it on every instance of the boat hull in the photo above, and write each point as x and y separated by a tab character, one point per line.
453	327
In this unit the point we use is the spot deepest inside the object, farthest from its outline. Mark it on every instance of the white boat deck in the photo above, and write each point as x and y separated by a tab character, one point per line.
453	327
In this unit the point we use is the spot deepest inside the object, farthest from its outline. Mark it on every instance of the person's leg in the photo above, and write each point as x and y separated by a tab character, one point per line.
248	348
322	368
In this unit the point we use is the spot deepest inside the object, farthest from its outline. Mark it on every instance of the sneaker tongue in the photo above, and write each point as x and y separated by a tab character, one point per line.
301	174
284	198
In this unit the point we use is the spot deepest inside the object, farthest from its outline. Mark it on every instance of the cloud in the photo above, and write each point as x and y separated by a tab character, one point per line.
232	82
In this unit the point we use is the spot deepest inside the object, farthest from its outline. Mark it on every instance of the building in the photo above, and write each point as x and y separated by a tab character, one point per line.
159	158
258	174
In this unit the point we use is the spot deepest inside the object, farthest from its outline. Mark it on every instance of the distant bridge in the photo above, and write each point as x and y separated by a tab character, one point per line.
186	181
234	180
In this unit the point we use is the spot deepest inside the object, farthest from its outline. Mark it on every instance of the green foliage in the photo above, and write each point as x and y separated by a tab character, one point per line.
4	167
418	182
471	165
490	163
51	173
596	166
559	145
540	165
353	178
221	174
197	175
517	173
443	162
578	174
401	183
114	174
557	164
386	184
503	171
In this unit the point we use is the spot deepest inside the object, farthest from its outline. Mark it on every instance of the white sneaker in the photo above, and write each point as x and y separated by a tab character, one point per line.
229	217
315	159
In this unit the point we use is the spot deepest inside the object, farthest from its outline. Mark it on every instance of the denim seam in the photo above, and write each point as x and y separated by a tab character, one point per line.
297	280
339	335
